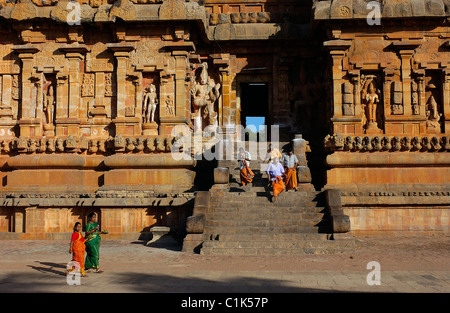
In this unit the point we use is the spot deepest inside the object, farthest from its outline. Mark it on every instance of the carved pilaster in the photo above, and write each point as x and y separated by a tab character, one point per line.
29	124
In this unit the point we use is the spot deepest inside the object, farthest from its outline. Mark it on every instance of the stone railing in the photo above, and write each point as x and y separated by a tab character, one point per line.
239	18
438	143
358	9
83	145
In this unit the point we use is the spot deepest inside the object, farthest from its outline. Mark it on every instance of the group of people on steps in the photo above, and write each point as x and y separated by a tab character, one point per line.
281	169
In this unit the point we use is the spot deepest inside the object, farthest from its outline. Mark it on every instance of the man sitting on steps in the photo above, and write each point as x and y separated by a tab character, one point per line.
245	171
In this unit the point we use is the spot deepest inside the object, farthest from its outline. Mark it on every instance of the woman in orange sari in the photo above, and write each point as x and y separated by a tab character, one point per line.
78	248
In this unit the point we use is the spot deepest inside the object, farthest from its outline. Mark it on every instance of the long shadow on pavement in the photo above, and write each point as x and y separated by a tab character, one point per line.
129	282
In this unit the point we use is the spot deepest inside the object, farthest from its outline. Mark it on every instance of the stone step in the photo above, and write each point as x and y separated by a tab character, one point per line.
236	188
265	210
270	251
266	237
265	223
291	194
216	230
261	202
264	215
282	244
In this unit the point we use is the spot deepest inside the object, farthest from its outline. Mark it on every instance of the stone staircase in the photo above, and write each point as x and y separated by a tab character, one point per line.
245	221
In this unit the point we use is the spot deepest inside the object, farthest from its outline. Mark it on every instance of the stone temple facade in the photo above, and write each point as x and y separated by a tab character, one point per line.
93	91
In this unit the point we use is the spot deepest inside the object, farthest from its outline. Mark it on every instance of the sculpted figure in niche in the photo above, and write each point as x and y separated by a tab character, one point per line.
433	115
150	104
169	106
204	95
371	101
49	105
370	98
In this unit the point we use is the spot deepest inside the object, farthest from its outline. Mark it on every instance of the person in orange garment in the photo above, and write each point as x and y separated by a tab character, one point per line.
245	171
78	248
290	162
275	170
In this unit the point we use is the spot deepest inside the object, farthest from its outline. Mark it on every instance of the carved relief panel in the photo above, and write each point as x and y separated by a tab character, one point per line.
372	103
205	92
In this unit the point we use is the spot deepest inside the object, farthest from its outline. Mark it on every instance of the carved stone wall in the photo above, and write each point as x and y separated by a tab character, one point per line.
388	134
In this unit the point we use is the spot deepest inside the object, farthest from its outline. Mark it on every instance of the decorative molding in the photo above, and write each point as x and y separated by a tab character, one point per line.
439	143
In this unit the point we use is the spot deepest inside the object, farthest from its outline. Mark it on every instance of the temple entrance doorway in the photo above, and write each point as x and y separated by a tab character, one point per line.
254	100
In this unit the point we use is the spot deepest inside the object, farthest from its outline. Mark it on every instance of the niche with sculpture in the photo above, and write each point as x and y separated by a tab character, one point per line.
49	104
372	104
150	104
433	104
205	93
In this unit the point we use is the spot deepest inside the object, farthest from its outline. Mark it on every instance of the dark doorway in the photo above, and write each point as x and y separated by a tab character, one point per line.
254	106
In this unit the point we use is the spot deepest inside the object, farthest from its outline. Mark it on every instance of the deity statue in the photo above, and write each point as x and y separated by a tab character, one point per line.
371	101
169	106
370	97
432	113
204	95
150	104
49	105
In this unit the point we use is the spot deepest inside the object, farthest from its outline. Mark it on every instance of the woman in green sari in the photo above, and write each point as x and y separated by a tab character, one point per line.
92	244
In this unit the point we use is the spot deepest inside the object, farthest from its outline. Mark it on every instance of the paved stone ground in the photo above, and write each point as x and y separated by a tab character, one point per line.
408	264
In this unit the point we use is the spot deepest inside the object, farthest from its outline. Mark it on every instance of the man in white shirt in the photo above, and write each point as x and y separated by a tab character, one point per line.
275	171
290	162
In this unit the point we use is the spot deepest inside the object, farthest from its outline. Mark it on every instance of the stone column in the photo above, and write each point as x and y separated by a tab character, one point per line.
124	125
6	98
19	221
421	92
406	51
337	50
29	124
388	79
138	97
6	112
446	100
75	54
180	53
181	59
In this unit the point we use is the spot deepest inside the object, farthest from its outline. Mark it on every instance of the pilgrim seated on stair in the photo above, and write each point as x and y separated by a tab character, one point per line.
246	173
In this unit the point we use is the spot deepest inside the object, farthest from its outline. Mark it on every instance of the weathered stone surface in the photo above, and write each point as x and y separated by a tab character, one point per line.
357	9
341	9
24	10
123	9
221	175
225	32
102	14
5	12
435	7
195	224
60	11
304	174
172	10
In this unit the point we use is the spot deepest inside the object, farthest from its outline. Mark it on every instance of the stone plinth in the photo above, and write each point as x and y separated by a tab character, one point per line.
49	130
149	129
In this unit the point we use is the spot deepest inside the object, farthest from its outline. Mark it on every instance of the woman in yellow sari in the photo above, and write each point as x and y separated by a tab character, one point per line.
78	248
